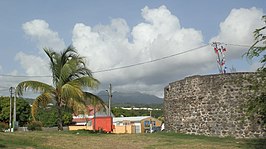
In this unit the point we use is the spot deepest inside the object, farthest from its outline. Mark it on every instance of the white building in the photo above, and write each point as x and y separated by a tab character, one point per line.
141	124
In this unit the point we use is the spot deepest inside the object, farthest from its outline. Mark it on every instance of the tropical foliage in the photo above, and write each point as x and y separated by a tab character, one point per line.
257	106
259	46
35	125
127	113
70	78
48	116
22	110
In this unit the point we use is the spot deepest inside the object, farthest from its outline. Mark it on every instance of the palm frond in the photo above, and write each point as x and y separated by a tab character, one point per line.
73	69
43	100
94	100
69	69
78	106
33	85
49	53
86	81
70	51
54	60
71	91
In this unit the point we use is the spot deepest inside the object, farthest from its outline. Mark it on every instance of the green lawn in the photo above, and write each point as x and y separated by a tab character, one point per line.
84	140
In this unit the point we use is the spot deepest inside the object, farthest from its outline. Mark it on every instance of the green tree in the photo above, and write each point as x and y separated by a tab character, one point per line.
22	110
67	118
48	116
259	46
257	106
70	76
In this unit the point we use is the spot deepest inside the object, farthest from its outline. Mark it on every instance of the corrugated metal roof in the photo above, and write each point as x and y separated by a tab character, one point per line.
132	119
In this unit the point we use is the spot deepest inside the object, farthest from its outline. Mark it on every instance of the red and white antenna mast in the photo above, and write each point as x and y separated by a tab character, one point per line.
219	49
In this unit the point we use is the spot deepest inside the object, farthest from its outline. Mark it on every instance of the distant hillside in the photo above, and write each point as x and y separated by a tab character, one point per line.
121	98
134	98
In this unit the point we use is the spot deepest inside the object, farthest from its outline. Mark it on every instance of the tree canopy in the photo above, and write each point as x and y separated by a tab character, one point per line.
259	46
48	116
256	107
70	77
22	110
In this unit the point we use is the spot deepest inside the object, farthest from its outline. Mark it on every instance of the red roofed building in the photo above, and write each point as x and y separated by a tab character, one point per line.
98	121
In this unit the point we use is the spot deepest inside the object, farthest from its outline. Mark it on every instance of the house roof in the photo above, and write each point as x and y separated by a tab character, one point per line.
132	119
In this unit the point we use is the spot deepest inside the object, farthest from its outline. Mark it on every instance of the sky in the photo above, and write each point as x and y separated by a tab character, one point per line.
149	36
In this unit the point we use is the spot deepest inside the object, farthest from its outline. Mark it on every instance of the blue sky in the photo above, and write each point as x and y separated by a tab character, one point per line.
135	36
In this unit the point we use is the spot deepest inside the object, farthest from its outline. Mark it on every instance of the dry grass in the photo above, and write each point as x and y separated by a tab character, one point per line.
81	140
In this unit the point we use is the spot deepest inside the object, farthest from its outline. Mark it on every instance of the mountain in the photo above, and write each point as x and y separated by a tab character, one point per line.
133	98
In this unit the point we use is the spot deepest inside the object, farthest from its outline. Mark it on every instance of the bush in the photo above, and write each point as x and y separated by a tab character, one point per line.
3	126
35	125
67	118
85	131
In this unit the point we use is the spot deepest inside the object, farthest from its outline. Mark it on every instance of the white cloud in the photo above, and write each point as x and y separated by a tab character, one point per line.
37	65
34	66
238	28
160	34
108	46
39	31
28	61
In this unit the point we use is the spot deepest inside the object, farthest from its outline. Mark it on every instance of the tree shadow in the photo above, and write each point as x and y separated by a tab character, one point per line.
2	146
256	144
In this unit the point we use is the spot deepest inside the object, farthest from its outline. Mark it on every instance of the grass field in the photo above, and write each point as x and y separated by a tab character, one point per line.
84	140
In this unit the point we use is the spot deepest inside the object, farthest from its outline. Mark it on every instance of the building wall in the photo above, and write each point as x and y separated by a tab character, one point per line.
210	105
104	123
80	127
124	129
145	124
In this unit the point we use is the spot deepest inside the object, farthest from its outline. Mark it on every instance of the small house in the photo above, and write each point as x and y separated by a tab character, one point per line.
138	124
98	121
103	123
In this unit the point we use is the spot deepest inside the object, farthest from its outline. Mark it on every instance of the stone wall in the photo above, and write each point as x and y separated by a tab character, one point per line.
210	105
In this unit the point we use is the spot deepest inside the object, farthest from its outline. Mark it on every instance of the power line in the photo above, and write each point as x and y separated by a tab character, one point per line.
7	89
122	67
237	45
3	86
23	76
150	61
132	65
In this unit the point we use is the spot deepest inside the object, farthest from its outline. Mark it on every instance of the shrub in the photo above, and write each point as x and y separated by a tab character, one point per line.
35	125
84	131
3	126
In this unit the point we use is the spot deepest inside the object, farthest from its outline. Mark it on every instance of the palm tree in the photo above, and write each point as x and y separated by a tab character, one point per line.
70	76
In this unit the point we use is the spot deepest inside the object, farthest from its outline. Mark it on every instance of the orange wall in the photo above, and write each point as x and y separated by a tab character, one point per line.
80	127
125	129
104	123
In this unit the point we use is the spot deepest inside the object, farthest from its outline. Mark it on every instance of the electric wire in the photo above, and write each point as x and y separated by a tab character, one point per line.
151	61
237	45
122	67
24	76
132	65
7	89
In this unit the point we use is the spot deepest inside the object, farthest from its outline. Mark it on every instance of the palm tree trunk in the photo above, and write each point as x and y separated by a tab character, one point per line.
59	118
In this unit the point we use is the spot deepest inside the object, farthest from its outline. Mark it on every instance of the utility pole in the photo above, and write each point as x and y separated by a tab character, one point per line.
15	108
10	108
109	99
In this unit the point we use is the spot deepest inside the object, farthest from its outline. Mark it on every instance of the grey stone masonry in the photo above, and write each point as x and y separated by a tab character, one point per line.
210	105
